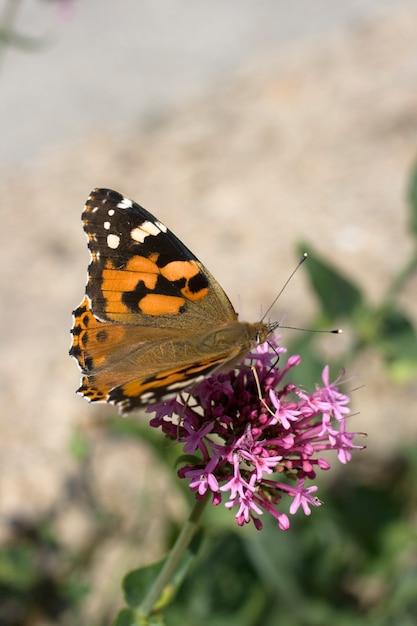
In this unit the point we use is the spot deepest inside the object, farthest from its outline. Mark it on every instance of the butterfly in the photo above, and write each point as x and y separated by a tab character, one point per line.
153	321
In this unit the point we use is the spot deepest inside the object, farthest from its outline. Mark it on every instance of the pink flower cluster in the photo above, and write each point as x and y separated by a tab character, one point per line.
246	429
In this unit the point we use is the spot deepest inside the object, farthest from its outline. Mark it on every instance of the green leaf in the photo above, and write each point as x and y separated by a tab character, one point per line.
137	583
126	617
338	296
223	589
17	567
24	42
397	339
129	617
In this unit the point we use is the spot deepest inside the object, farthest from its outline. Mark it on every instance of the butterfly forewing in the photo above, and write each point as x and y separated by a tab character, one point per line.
141	273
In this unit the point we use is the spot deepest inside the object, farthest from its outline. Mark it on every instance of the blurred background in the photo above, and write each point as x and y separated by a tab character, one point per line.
254	131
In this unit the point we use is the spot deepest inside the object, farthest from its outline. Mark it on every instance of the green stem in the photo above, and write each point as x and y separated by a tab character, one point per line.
173	559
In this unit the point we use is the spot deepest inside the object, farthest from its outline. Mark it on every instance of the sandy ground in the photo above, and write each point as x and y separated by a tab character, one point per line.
313	143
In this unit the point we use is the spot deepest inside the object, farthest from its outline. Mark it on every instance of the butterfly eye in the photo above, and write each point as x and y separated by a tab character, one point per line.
263	331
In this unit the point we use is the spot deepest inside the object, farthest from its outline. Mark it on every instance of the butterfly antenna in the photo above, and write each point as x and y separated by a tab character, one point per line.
333	331
300	262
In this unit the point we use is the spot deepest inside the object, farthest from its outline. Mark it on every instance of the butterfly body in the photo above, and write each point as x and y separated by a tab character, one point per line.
153	320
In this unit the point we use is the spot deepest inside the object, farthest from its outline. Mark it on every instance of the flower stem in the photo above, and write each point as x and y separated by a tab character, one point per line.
174	558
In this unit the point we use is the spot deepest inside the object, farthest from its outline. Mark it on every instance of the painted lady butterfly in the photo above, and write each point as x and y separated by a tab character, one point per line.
154	320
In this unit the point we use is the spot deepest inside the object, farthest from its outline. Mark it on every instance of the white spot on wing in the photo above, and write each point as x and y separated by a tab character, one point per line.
125	204
145	397
140	233
110	212
106	225
113	241
185	383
